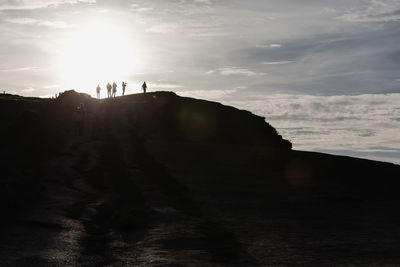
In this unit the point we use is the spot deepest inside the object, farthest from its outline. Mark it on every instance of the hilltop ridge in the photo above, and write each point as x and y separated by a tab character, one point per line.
166	115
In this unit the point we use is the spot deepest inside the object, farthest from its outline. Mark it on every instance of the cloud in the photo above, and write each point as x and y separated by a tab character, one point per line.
36	4
207	2
26	21
268	45
139	8
164	28
32	21
54	24
277	62
228	71
163	86
337	63
329	10
51	86
364	124
28	90
193	29
374	11
20	69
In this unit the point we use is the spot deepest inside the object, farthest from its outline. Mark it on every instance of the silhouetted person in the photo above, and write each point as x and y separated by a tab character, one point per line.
114	87
123	88
144	87
98	89
109	90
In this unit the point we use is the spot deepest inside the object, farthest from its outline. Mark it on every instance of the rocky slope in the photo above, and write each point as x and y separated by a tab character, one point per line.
158	179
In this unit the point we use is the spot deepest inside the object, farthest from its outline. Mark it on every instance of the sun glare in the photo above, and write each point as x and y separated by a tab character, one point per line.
97	54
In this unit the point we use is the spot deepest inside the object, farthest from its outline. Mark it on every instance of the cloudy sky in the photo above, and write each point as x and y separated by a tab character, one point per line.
325	73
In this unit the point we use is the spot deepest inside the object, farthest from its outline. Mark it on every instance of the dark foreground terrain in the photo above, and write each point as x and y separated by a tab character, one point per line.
160	180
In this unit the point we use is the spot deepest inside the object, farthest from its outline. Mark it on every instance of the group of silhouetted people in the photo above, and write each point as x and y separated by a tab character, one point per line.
112	89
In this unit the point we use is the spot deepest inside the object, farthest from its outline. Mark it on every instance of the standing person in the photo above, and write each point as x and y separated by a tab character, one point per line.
144	87
108	90
114	87
123	88
98	89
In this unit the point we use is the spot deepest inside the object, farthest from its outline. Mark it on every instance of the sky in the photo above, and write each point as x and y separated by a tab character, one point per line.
325	73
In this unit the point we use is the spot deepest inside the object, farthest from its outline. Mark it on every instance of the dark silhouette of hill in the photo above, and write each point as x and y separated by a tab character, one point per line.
158	179
165	115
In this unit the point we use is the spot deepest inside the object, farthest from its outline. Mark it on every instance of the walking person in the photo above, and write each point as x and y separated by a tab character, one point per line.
108	90
114	87
144	87
123	88
98	89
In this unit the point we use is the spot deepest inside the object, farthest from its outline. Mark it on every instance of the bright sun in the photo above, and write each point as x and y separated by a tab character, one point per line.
97	54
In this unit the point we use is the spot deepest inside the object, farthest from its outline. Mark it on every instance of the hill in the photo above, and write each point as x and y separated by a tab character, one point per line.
158	179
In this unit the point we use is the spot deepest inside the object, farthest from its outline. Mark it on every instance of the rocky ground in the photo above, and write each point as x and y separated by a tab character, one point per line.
113	195
107	201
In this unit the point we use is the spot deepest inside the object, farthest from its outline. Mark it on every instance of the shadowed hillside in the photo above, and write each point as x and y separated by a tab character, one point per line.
164	115
158	179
